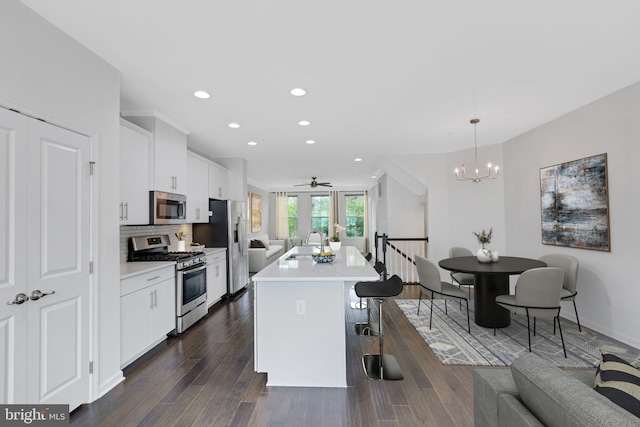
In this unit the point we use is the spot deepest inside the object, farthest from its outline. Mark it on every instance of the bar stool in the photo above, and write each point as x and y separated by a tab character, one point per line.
381	366
369	328
361	305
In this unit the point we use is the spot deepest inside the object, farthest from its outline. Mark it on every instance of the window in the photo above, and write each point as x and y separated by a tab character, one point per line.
320	214
292	202
354	209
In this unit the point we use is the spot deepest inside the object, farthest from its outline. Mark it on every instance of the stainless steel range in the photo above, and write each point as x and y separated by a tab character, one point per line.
191	276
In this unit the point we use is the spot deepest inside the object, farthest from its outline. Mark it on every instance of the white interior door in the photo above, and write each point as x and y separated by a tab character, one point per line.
58	239
13	256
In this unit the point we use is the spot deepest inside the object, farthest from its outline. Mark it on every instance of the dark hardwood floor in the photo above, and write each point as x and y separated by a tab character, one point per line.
205	377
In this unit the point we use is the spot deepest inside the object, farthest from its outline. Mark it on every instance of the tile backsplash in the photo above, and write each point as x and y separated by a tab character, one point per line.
127	231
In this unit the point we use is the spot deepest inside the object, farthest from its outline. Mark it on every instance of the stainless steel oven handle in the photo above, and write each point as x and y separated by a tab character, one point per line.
198	267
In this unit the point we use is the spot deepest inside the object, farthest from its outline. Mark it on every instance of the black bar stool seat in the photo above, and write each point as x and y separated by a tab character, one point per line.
369	327
381	366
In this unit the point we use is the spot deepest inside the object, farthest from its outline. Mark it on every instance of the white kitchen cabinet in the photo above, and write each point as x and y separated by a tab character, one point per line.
216	276
135	160
197	188
218	182
168	153
147	312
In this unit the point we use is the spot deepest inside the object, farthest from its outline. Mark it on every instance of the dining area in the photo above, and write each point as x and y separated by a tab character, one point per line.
540	287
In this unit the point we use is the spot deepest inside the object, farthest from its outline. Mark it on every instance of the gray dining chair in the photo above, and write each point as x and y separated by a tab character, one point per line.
537	294
462	279
569	265
431	284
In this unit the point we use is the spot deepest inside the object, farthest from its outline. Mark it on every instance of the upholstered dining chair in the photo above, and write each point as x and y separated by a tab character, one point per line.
537	294
431	284
569	265
462	279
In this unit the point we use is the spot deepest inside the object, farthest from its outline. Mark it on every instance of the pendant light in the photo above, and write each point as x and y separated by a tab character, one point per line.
492	171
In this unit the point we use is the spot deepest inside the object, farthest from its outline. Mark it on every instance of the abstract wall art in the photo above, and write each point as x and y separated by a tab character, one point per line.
575	204
256	212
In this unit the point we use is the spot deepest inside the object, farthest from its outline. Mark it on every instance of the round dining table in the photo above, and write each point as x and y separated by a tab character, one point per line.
491	280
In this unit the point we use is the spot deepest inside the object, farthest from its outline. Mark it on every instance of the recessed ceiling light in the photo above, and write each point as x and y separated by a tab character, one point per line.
252	143
298	91
201	94
233	125
311	141
373	177
304	122
357	159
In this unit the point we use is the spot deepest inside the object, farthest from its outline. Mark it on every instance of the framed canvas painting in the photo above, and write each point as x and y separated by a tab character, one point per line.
256	213
574	200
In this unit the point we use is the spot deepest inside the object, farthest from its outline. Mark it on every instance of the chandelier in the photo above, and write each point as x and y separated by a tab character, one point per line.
492	171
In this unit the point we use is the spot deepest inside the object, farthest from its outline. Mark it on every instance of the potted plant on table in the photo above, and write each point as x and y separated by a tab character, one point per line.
334	242
485	255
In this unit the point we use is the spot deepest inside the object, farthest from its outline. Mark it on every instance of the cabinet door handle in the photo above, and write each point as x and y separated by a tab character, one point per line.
126	211
155	298
176	187
197	213
217	271
121	211
151	300
153	278
220	192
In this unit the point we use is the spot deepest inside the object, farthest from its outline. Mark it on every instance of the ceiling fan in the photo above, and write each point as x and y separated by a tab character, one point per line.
315	183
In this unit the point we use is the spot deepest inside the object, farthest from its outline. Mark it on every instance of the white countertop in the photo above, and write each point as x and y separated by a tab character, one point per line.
129	269
349	265
209	251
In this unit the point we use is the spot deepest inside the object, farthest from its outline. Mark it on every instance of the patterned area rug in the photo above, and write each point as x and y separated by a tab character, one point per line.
453	345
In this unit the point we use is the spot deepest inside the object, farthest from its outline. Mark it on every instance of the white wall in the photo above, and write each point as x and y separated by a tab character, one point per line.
47	74
432	170
405	211
607	286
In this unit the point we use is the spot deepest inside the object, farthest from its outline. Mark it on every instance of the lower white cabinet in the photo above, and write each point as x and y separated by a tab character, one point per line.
216	276
147	312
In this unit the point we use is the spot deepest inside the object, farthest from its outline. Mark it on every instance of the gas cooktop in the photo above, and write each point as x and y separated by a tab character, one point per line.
156	248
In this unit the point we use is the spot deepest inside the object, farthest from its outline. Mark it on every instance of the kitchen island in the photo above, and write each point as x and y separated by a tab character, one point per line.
299	317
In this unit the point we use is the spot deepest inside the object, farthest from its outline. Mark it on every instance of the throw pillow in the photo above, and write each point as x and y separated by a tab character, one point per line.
256	244
265	241
619	381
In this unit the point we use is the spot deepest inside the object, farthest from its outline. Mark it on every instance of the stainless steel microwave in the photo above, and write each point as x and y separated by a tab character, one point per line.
167	208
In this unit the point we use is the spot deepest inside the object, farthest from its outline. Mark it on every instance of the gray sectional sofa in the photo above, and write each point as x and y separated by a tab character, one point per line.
535	393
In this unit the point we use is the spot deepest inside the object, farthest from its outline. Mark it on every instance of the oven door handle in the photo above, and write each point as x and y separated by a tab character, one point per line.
198	267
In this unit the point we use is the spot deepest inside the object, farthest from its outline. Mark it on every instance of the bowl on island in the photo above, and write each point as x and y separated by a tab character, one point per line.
324	257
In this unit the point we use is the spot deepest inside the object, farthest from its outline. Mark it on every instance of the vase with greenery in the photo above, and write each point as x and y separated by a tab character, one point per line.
484	255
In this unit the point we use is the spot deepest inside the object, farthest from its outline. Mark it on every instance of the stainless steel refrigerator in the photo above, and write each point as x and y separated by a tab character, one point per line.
227	228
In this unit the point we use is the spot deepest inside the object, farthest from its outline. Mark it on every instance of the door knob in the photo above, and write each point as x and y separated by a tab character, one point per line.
20	298
36	295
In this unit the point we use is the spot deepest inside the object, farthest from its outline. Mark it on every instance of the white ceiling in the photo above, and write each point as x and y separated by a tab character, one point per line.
382	77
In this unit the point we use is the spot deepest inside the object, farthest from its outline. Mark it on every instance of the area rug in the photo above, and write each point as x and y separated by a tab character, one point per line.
453	345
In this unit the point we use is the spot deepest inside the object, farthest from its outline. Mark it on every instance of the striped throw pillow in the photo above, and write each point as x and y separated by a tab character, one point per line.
618	381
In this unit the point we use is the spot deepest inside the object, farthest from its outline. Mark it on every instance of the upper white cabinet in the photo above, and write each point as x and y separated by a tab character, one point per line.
135	160
168	153
218	182
197	188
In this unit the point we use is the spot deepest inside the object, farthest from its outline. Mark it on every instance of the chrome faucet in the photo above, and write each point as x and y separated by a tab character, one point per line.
314	231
